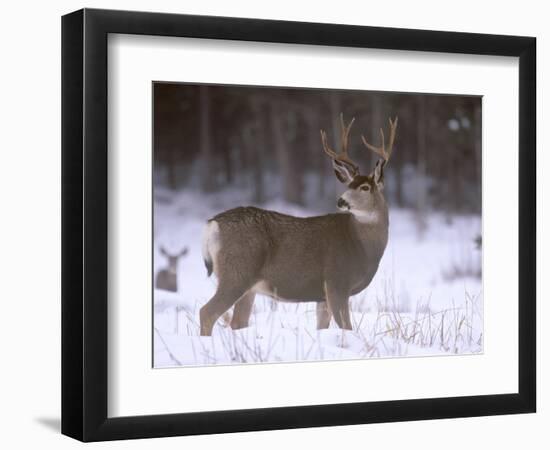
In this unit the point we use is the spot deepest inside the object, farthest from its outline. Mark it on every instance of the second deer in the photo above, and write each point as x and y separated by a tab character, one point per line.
323	259
167	278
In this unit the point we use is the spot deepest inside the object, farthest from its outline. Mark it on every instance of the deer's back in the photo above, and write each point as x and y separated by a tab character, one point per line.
290	257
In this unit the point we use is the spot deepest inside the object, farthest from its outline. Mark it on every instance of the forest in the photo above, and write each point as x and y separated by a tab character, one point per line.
213	136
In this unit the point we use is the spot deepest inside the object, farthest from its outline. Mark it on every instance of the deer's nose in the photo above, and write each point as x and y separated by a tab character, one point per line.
342	203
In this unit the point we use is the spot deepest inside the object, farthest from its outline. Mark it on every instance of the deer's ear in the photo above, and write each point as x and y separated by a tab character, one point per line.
163	251
183	252
342	172
379	173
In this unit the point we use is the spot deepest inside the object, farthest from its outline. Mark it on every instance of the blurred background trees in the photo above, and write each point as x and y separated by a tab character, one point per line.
267	141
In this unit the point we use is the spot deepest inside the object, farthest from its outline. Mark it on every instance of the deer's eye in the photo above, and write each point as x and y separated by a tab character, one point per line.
365	187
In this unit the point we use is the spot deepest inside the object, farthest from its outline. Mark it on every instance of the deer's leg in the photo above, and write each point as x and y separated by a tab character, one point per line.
341	314
223	299
323	315
338	303
242	311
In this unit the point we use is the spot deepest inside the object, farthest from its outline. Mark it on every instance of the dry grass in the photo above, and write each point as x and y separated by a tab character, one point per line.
287	333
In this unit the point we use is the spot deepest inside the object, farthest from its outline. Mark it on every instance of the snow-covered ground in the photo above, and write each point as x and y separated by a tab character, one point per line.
426	298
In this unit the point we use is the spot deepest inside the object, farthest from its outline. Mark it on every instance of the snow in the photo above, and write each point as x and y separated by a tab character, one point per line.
426	298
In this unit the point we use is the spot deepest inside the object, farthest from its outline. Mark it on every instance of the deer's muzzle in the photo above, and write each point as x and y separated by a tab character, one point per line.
342	204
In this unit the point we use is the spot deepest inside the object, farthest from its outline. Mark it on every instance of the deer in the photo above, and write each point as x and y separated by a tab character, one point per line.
323	259
167	278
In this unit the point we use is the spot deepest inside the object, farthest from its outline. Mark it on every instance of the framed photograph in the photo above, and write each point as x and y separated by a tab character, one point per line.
273	224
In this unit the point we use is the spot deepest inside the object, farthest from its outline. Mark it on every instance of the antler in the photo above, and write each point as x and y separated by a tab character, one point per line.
343	156
382	151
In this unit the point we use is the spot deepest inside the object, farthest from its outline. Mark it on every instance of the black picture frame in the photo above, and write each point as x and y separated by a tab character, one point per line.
84	224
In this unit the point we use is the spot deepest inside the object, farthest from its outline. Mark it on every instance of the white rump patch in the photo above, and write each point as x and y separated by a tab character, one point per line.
211	241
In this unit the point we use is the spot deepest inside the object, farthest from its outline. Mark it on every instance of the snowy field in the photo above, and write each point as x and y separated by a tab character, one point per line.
426	298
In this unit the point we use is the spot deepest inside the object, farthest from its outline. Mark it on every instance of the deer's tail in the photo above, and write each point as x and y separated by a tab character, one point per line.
209	266
210	245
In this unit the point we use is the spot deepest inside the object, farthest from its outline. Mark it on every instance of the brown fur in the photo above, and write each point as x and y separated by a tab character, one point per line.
293	259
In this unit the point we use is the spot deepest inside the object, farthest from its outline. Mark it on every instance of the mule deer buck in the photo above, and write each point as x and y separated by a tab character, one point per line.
323	259
167	278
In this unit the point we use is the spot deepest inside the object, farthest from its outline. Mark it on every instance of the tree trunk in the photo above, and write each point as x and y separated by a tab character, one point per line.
398	158
171	168
335	109
228	163
261	148
208	178
288	166
398	171
477	149
421	166
314	148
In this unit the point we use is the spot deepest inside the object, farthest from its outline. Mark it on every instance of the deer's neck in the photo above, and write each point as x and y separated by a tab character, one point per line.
372	228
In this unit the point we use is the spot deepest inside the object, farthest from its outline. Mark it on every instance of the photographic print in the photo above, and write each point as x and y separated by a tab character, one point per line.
298	224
